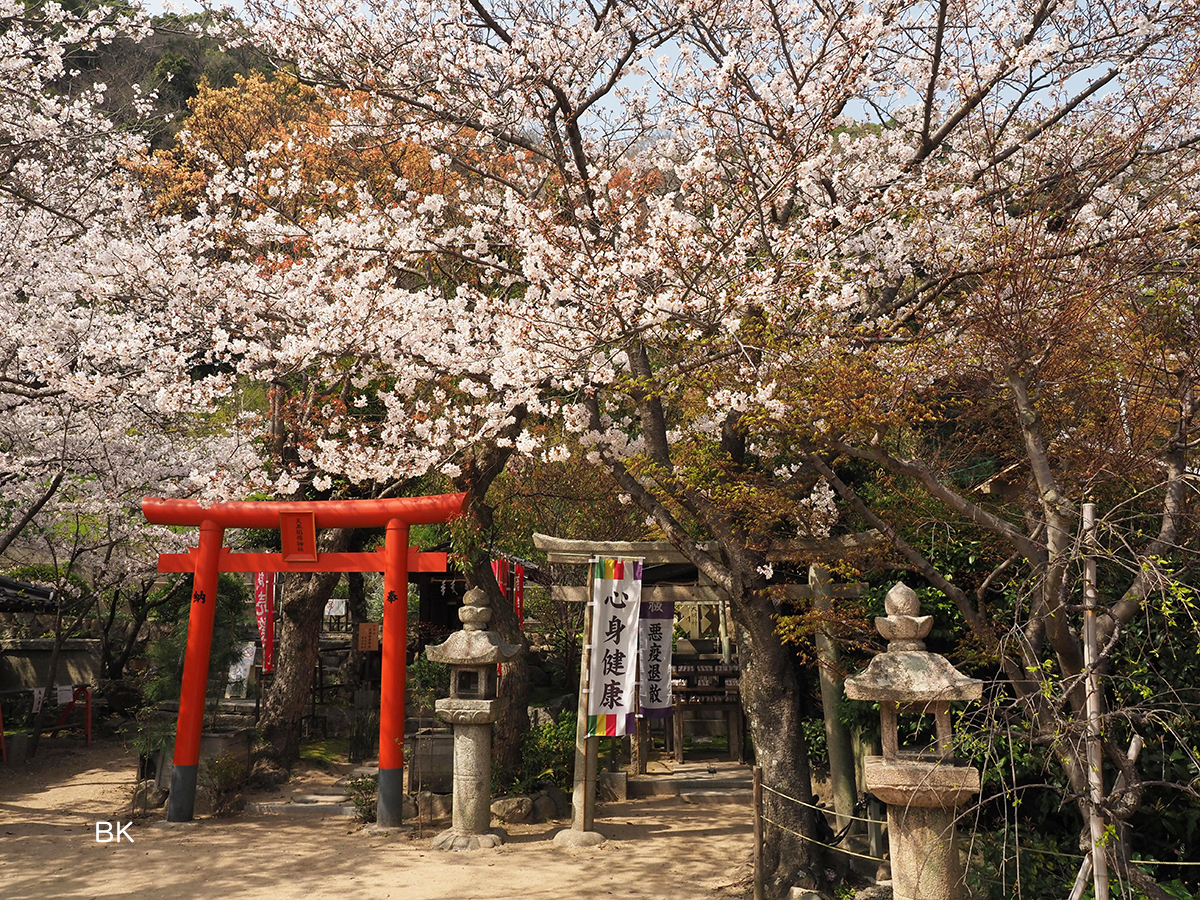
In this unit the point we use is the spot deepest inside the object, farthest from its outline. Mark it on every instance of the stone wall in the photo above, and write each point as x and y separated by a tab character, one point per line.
26	663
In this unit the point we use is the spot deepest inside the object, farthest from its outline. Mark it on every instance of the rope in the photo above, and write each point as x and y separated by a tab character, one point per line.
819	808
1080	859
805	837
1018	849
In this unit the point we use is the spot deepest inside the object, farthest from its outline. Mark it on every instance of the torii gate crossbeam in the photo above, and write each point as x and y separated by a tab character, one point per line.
395	559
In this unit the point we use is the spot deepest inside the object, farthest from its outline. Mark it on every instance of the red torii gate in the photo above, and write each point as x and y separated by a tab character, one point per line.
298	522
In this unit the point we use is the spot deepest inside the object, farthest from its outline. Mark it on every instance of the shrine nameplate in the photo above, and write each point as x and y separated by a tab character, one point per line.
298	536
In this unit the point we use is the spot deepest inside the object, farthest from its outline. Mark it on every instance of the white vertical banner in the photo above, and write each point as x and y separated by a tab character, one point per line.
654	647
239	670
612	675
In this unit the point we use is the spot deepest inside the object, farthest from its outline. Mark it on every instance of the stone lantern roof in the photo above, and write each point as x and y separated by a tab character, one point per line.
906	673
474	645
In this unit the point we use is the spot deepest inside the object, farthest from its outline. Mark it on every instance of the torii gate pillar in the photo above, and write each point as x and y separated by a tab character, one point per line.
190	723
209	559
393	675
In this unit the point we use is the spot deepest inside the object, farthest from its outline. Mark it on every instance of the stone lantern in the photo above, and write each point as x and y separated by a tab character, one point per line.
472	654
922	786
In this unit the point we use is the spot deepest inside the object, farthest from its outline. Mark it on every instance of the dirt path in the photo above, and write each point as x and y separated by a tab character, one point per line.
662	849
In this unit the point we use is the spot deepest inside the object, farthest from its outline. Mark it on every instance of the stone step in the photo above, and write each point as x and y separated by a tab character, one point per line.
640	787
320	795
283	808
717	798
720	776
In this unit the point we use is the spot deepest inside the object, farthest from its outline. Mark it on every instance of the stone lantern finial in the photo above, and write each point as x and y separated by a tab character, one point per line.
476	611
902	627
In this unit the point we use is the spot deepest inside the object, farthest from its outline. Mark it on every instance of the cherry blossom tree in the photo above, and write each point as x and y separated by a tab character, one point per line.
727	244
84	431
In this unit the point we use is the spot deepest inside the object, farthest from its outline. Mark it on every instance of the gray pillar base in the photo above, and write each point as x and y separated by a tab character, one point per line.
569	837
181	802
390	811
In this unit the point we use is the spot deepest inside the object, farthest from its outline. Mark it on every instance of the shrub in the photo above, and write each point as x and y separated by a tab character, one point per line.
547	756
363	792
224	777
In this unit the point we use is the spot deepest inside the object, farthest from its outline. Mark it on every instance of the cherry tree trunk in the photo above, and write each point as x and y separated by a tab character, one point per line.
297	648
771	701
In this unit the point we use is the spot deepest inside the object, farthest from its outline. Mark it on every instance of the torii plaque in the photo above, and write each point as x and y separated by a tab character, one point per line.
395	559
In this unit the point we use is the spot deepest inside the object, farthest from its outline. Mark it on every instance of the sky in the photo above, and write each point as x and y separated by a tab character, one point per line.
158	7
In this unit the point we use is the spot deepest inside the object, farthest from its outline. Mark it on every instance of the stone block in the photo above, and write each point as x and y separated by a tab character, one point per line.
562	800
544	809
548	714
612	786
431	807
148	795
16	749
569	837
513	810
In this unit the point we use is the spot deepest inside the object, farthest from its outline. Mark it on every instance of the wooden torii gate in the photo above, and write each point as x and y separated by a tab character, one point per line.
298	523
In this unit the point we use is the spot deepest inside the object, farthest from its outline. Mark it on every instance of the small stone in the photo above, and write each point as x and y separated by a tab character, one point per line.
569	837
875	892
443	805
148	795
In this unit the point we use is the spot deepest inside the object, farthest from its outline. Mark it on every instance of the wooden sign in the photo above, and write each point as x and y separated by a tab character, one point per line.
298	536
368	637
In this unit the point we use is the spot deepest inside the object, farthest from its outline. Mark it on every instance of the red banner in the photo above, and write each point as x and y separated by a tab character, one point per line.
264	612
500	570
519	593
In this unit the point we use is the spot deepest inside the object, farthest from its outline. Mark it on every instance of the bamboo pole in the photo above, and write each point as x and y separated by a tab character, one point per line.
1085	868
1094	750
583	794
759	881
